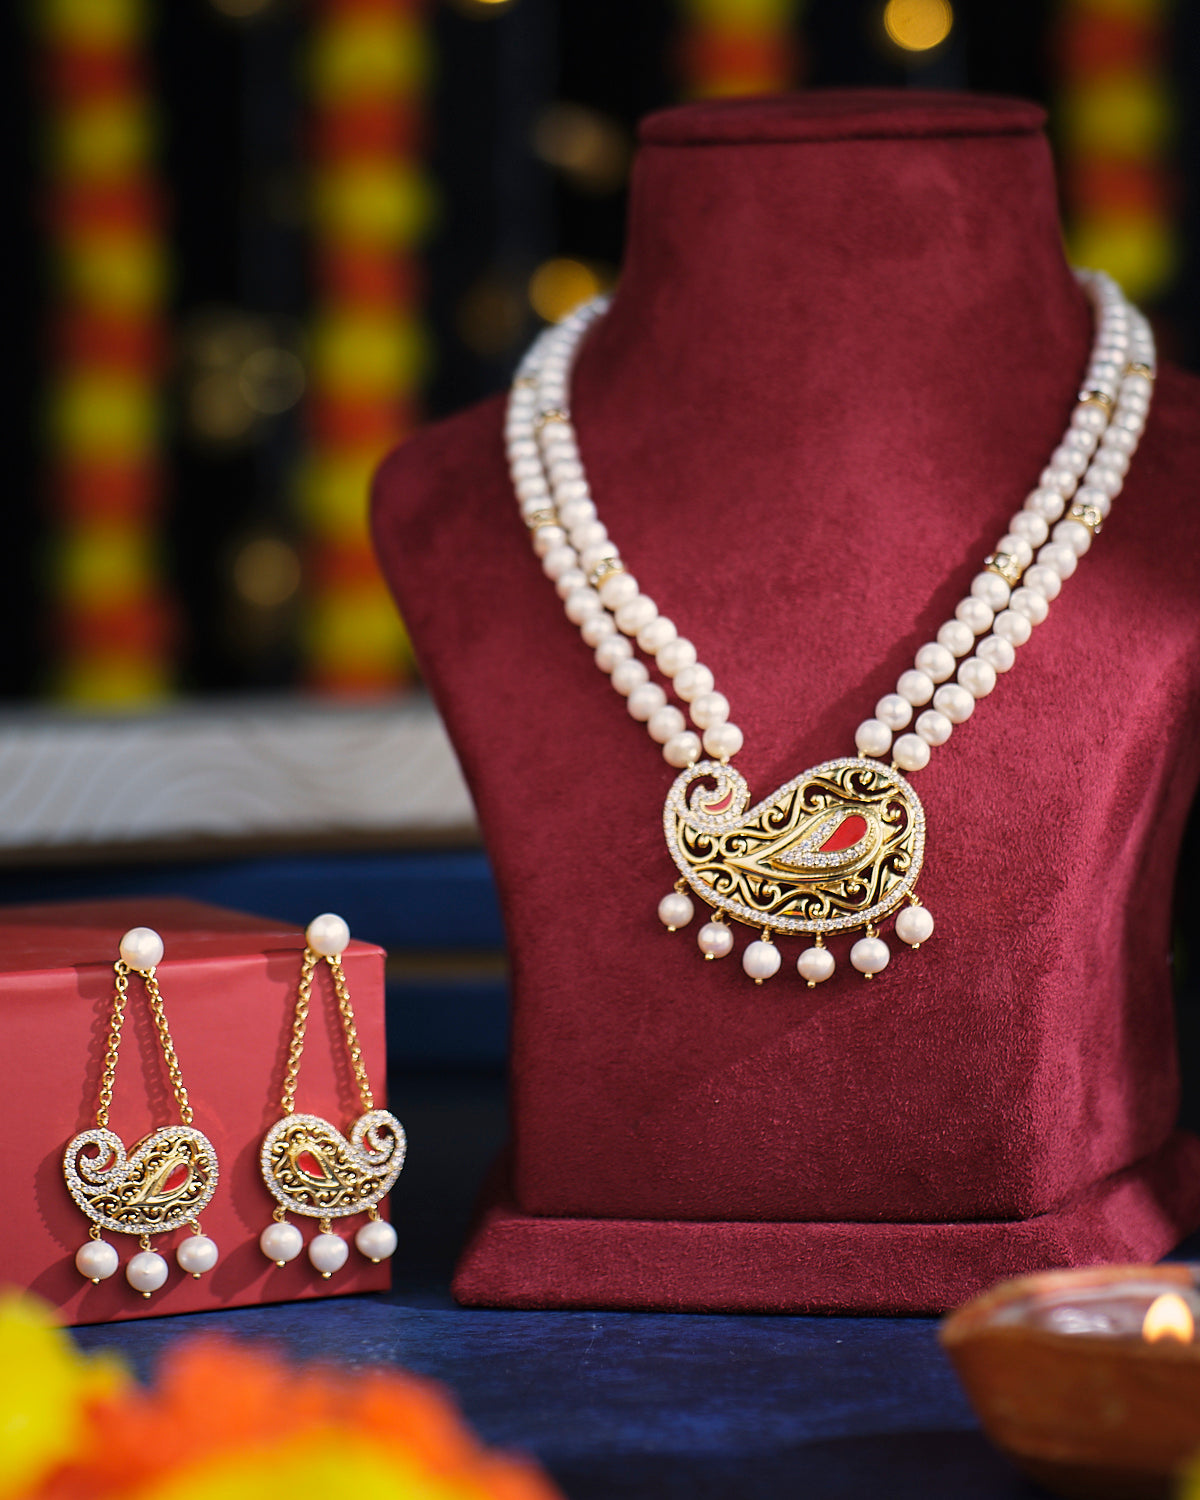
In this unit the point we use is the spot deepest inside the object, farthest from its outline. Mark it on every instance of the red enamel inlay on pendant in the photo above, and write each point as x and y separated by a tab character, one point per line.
848	831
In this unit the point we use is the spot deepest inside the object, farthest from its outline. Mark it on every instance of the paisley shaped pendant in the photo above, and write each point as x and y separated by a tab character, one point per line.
165	1182
836	848
311	1168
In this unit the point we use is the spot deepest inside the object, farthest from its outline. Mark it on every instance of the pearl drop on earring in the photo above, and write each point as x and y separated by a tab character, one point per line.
197	1254
146	1272
97	1260
714	940
675	910
281	1242
815	965
328	1253
377	1240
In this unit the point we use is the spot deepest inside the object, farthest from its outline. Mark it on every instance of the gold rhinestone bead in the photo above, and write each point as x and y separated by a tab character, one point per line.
1096	398
1087	515
605	568
1136	367
1006	565
551	414
541	518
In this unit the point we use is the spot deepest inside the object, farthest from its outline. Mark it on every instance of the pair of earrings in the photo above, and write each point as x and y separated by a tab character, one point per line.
170	1176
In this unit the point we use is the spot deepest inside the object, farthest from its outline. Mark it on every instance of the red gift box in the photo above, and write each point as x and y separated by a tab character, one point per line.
844	344
228	983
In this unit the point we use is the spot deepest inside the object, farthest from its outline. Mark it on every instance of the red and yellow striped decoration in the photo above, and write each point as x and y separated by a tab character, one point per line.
369	63
1116	118
732	47
111	623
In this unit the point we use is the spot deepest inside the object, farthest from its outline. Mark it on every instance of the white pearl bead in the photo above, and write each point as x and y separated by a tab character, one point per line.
978	677
975	614
894	711
693	682
566	583
327	934
955	702
146	1272
870	955
664	723
934	727
1088	419
675	656
611	651
558	560
97	1260
991	588
653	637
1118	439
815	965
1098	498
1043	580
714	940
1074	534
281	1243
916	686
377	1240
956	637
635	613
546	538
618	589
197	1254
911	752
1060	557
328	1253
675	910
142	948
645	700
723	740
914	926
682	749
591	557
1032	528
761	960
935	661
1048	504
1031	604
873	737
578	510
709	709
1011	625
597	628
628	675
1017	546
997	650
589	533
581	603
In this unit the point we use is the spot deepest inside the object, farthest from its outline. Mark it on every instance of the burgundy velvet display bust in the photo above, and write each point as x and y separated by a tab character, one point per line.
844	344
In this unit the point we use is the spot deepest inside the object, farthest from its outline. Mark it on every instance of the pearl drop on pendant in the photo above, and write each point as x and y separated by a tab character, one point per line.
714	940
377	1240
146	1272
869	956
914	925
815	965
281	1243
328	1253
197	1254
761	960
327	935
675	910
97	1260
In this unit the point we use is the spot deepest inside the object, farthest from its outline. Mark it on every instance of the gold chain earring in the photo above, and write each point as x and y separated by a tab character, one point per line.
168	1178
309	1167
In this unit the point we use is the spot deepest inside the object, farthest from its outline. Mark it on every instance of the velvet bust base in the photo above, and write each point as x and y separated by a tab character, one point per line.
844	343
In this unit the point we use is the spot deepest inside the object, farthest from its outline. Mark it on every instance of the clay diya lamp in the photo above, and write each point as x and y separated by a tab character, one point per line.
1088	1379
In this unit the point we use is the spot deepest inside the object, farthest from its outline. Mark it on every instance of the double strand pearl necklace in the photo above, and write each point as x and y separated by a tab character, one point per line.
838	848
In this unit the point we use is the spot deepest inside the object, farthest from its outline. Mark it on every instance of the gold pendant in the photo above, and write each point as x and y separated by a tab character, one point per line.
165	1182
838	847
312	1169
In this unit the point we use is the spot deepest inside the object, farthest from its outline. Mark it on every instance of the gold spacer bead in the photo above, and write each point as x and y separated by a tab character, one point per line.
1136	367
526	382
1096	398
547	517
1005	565
551	414
1087	515
605	568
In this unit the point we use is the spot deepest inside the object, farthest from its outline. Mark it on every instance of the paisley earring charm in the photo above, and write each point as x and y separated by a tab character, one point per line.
309	1167
168	1178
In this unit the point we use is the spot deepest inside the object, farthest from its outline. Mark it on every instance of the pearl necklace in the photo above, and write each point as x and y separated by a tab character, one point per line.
838	848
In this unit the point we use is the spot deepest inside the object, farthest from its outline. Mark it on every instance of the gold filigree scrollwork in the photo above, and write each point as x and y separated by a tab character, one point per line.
312	1169
836	848
162	1184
